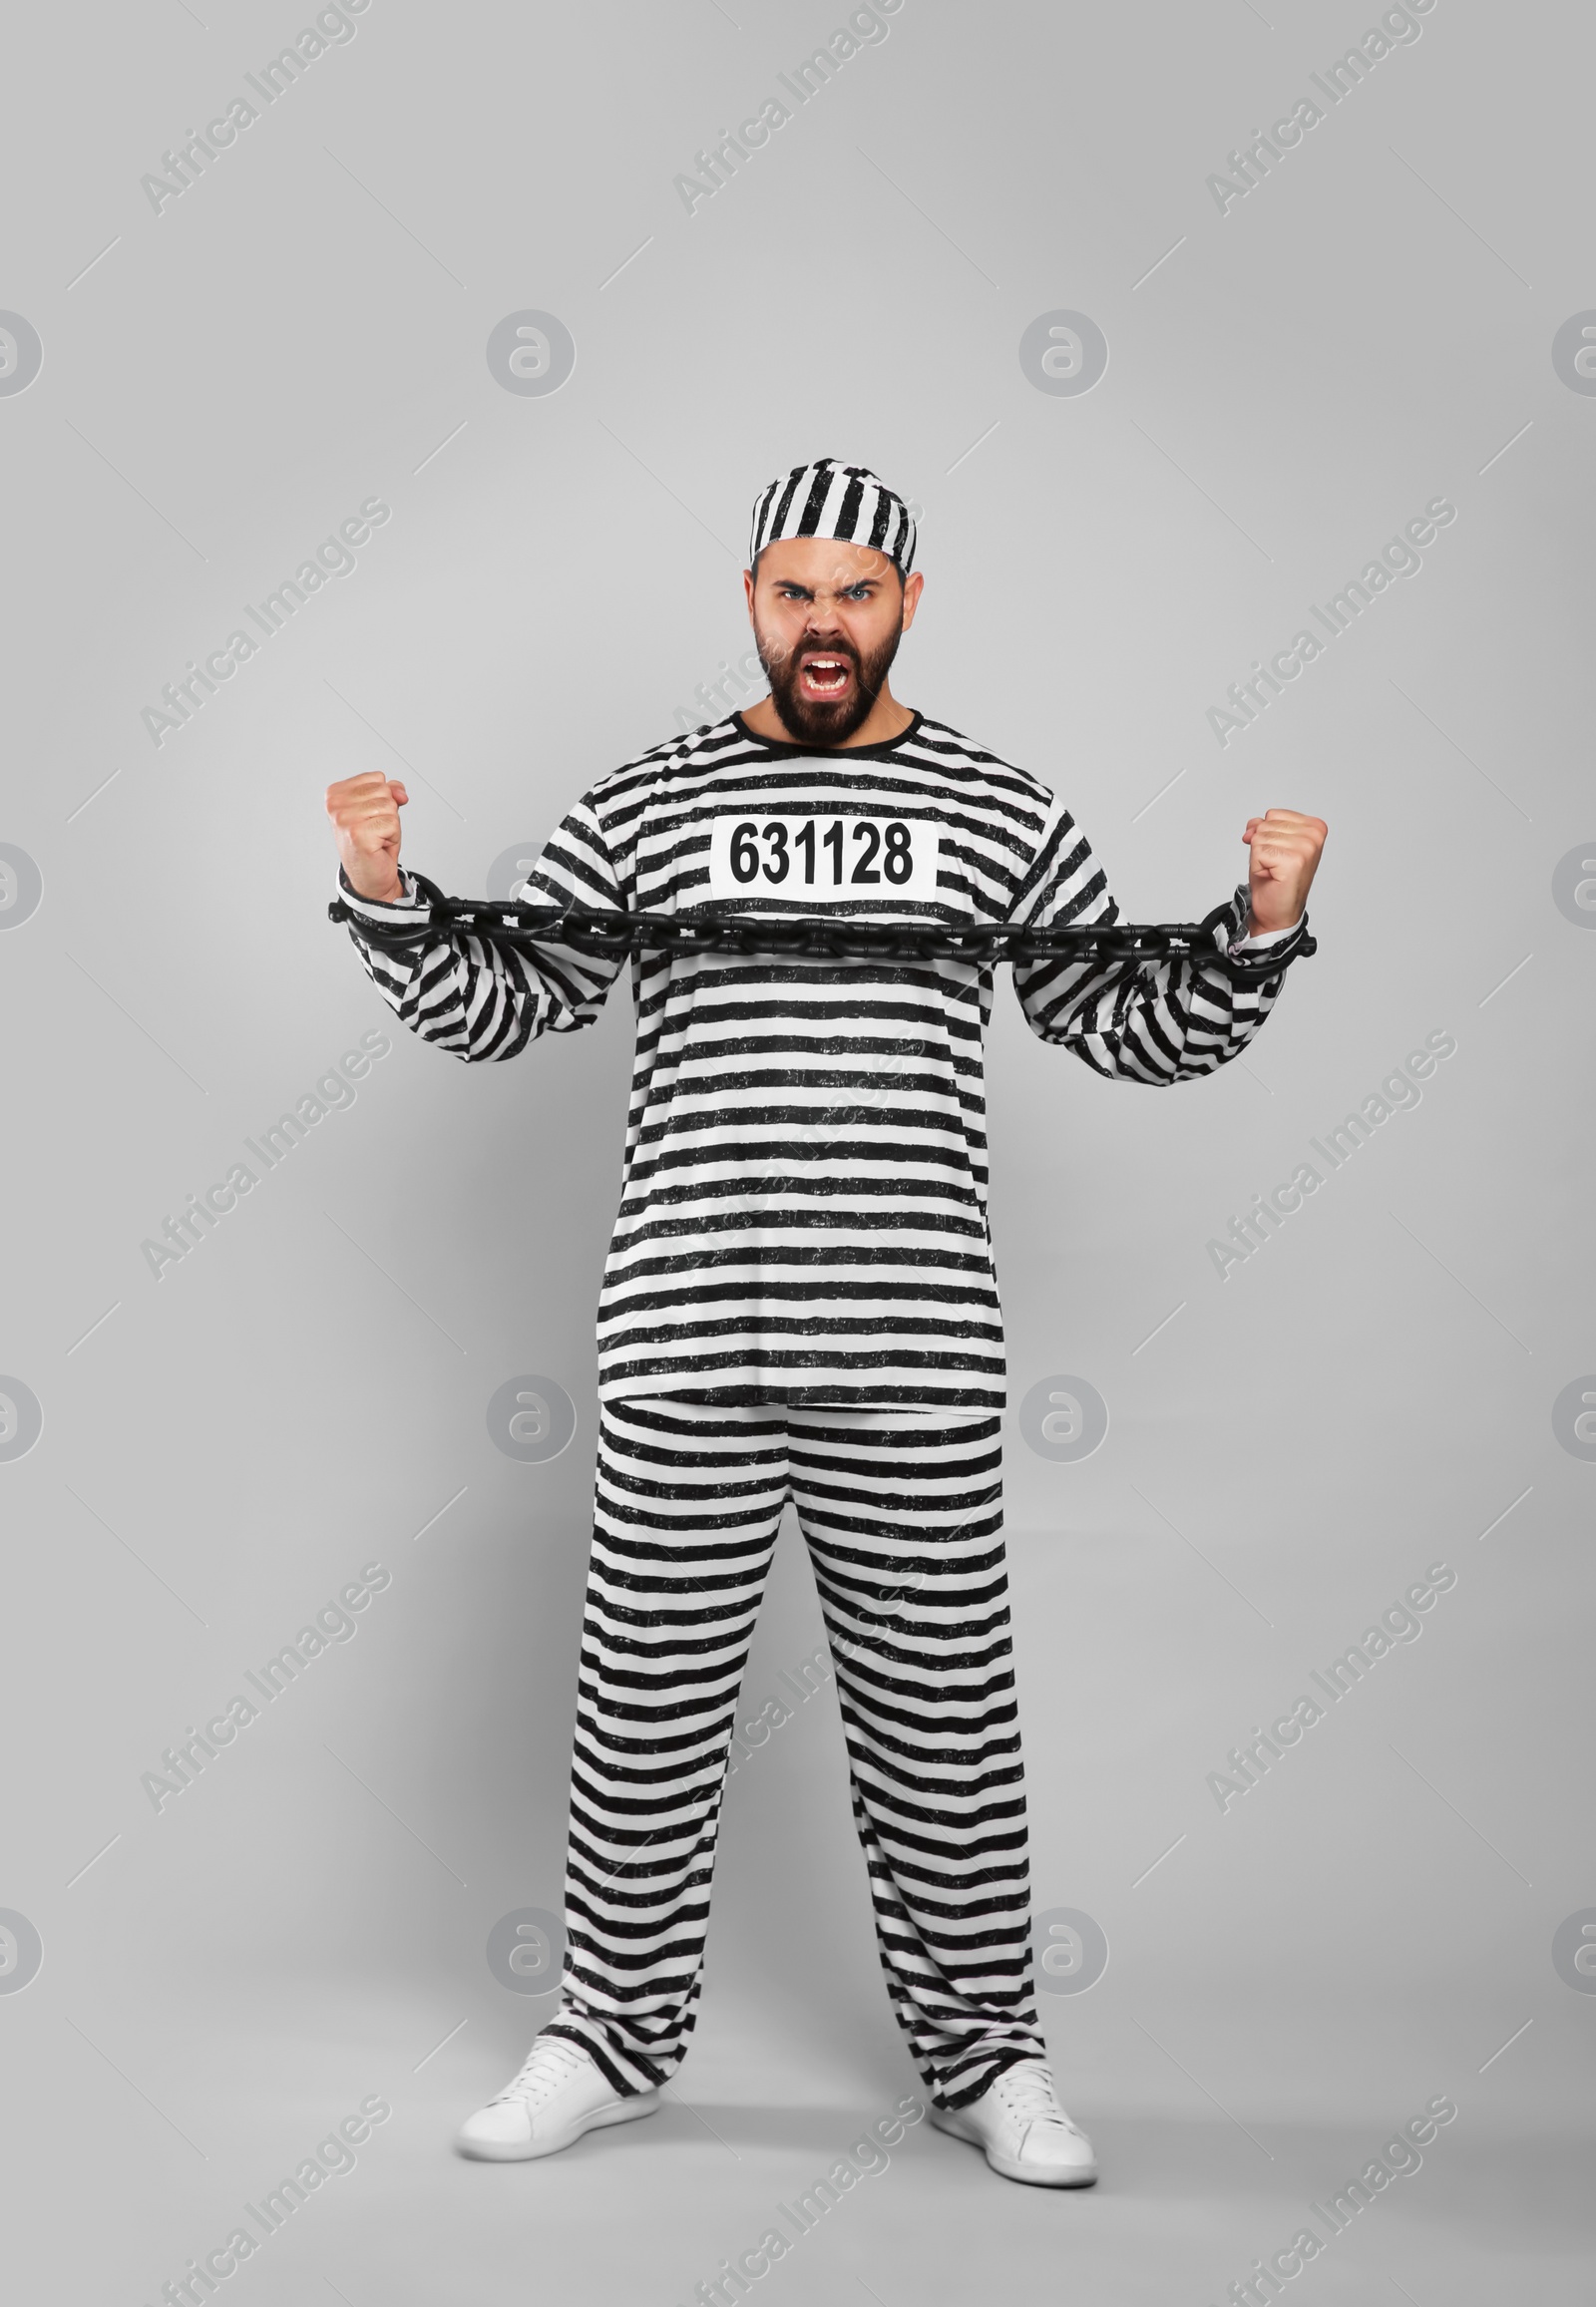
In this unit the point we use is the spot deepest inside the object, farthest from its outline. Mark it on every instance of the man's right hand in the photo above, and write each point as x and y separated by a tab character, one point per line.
365	821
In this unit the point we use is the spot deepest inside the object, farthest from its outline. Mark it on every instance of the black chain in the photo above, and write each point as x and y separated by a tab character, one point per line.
808	936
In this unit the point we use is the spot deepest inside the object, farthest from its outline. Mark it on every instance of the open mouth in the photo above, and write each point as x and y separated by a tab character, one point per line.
822	675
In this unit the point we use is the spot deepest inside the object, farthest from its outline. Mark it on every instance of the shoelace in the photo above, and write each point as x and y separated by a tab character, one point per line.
1027	2089
551	2062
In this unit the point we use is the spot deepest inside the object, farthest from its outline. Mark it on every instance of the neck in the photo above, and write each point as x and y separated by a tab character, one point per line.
886	720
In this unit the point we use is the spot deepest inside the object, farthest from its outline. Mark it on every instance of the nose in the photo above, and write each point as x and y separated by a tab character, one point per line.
823	624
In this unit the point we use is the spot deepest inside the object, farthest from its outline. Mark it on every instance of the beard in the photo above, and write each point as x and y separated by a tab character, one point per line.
819	720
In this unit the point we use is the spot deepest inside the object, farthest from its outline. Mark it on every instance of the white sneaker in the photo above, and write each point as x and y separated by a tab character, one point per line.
1026	2132
559	2093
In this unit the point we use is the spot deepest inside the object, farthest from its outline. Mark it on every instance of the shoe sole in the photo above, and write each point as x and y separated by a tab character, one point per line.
1029	2174
623	2111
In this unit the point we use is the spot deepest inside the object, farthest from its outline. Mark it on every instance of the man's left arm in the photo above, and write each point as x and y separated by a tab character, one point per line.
1168	1021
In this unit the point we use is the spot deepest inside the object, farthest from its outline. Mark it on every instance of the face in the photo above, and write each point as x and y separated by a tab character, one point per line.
827	621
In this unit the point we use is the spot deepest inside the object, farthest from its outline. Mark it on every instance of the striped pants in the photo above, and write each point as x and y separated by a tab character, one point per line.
903	1524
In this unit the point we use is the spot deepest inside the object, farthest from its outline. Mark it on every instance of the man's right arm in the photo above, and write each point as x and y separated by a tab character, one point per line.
474	1000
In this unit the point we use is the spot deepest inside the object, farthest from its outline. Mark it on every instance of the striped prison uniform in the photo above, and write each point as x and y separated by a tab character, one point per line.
799	1301
904	1522
803	1209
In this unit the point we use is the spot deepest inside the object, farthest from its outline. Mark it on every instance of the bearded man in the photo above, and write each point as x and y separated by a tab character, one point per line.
799	1301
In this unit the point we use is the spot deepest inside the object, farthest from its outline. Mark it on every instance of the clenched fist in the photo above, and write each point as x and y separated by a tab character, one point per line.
1285	848
365	820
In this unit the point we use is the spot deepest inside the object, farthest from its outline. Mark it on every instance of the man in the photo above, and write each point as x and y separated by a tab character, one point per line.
799	1302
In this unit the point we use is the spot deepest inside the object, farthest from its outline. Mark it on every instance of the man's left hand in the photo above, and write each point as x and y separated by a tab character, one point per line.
1285	848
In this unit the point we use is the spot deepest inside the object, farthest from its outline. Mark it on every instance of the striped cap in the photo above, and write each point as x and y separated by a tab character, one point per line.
826	498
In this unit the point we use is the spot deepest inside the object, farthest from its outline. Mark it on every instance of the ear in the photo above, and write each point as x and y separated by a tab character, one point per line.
748	592
914	585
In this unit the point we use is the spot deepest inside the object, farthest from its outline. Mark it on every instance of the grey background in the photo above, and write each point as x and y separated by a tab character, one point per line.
224	1450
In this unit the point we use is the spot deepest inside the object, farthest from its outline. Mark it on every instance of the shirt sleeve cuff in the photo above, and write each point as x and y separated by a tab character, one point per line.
413	907
1265	938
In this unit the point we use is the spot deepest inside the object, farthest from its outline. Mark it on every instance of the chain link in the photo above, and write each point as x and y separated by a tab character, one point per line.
806	936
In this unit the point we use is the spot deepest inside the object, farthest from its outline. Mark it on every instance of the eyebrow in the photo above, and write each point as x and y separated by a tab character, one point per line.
792	585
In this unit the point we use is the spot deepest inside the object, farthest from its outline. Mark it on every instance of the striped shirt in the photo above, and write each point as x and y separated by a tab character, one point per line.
803	1211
